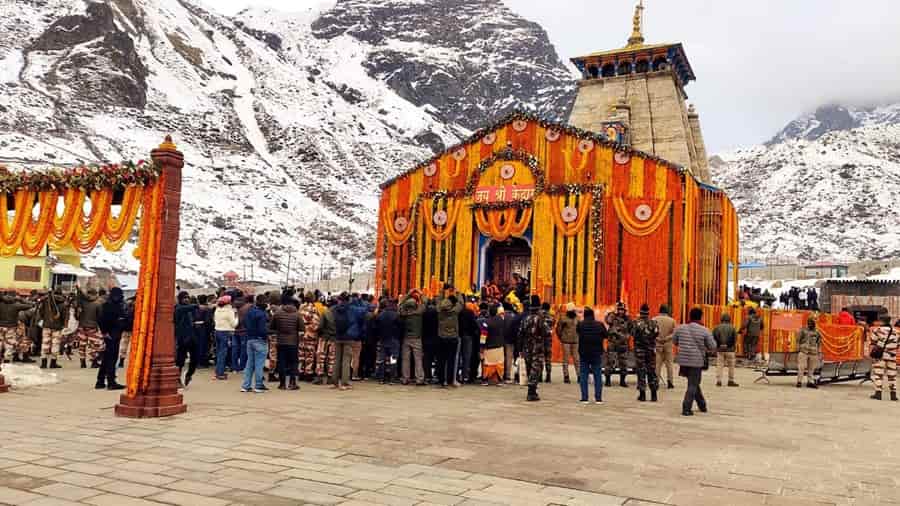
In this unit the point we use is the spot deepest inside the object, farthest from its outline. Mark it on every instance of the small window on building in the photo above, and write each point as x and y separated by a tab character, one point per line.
27	273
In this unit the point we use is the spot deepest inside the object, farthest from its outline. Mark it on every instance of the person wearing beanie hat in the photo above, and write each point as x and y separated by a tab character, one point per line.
645	332
619	325
665	352
532	335
568	336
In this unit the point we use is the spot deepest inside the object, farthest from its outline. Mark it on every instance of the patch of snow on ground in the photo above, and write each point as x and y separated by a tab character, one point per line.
24	376
10	65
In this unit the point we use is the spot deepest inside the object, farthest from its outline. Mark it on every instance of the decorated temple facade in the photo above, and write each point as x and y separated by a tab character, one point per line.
583	218
613	206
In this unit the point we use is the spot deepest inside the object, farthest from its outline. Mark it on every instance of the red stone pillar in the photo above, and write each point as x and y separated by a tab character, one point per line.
161	397
3	386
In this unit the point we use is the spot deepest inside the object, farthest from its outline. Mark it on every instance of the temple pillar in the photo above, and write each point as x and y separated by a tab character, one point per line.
160	397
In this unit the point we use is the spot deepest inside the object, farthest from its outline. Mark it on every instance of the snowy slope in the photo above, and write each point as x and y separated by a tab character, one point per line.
837	196
286	131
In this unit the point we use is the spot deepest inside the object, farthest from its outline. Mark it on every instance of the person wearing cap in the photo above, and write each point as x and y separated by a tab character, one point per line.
645	332
532	333
751	330
225	320
113	320
883	351
566	330
665	352
619	326
726	337
808	342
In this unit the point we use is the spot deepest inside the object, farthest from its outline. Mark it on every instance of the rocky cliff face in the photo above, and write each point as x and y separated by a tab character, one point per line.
288	121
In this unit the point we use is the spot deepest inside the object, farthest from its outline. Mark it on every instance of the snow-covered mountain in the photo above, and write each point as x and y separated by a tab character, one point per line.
836	118
288	121
829	187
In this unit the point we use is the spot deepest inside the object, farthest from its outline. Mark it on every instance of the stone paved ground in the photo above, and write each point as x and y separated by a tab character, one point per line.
760	445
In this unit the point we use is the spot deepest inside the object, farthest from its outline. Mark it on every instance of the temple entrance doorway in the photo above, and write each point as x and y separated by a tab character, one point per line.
505	258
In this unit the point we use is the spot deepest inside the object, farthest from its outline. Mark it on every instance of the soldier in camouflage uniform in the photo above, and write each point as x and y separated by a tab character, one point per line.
548	341
309	341
532	335
645	332
619	330
54	311
10	335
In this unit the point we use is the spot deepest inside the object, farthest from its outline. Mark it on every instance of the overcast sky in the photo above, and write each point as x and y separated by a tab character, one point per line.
758	63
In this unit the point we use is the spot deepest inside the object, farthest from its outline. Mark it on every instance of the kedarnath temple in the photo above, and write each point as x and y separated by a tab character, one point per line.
613	206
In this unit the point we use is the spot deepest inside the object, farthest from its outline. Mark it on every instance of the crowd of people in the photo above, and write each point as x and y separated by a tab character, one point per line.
291	336
91	324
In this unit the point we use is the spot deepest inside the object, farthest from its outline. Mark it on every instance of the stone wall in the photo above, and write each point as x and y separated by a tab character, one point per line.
658	120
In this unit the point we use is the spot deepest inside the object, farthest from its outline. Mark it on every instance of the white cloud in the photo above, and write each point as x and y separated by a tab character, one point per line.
758	64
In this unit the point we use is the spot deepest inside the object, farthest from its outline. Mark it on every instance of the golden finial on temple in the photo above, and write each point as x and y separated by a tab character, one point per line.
637	33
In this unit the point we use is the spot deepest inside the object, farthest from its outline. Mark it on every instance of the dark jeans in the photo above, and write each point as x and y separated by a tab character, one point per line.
390	348
287	361
588	366
429	356
238	352
466	358
223	340
448	358
693	392
107	371
184	348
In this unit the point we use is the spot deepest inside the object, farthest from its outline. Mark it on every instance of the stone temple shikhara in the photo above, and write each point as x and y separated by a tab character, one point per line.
614	206
638	91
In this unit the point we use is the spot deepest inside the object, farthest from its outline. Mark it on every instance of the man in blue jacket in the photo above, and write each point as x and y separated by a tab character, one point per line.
257	325
358	308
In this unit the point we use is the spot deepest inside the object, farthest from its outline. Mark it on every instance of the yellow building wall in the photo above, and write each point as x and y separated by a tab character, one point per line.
8	269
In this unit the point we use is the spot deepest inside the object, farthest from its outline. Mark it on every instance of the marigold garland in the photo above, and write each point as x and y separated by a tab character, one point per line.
440	232
636	228
557	202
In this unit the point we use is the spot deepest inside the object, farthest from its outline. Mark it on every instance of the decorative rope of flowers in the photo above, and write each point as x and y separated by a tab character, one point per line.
88	177
81	230
516	118
597	221
499	206
508	154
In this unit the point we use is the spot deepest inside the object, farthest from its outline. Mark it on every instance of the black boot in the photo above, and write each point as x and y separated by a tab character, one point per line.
876	396
292	384
548	376
622	382
26	359
83	364
608	380
532	394
670	385
54	365
653	397
95	364
281	385
894	395
272	377
642	395
566	380
112	385
43	363
15	358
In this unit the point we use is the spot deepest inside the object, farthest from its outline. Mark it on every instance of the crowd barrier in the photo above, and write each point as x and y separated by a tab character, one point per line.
840	343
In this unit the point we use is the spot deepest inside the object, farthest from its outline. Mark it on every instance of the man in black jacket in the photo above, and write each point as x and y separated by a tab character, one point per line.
429	340
185	340
389	330
468	333
113	321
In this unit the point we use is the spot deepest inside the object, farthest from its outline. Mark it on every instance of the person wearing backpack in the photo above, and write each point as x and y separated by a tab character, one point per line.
341	315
